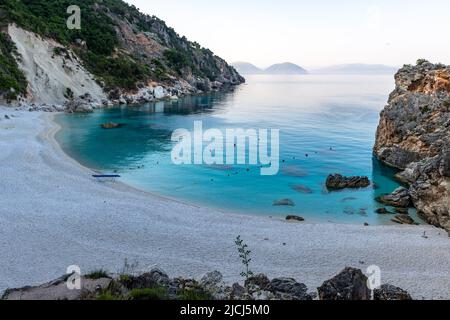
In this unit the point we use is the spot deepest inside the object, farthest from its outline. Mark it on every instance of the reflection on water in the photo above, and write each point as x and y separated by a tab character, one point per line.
327	125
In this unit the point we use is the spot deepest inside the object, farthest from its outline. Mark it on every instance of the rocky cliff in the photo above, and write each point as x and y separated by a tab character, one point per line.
414	136
125	51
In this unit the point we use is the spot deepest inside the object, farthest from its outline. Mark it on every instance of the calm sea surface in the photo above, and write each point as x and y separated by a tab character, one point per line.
327	125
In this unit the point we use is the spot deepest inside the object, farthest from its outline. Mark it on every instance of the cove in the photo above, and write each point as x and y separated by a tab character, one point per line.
327	125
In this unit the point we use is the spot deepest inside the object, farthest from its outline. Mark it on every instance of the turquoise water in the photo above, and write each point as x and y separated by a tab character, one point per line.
332	119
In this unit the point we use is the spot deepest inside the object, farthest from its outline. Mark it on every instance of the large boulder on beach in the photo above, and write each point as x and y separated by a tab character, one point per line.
338	182
390	292
350	284
399	198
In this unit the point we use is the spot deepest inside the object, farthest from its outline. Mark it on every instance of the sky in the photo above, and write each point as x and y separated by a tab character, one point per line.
312	33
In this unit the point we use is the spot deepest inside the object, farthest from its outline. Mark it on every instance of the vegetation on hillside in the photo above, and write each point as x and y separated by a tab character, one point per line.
12	80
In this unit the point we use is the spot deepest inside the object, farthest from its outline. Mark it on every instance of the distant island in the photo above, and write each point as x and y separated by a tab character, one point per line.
356	68
247	68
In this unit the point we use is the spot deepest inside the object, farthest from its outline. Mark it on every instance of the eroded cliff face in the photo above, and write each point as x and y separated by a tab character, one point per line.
414	135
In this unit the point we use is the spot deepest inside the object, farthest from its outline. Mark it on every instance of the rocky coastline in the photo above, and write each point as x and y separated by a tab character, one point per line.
414	137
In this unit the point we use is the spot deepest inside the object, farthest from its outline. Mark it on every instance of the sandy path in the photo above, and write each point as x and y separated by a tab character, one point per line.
53	214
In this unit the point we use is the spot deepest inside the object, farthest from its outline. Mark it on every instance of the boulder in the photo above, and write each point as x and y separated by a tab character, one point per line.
284	202
259	281
338	182
390	292
350	284
156	277
237	292
295	218
57	290
383	211
403	219
288	289
111	125
399	198
159	92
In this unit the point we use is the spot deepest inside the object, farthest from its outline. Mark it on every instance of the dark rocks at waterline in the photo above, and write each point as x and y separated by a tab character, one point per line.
350	284
390	292
284	202
111	125
402	210
399	198
383	211
339	182
295	218
403	219
301	188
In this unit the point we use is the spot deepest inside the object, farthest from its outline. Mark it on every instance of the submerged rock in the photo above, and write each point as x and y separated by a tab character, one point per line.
399	198
338	182
58	290
350	284
284	202
301	188
390	292
111	125
383	211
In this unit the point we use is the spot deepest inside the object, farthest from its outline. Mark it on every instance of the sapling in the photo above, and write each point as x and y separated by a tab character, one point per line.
244	254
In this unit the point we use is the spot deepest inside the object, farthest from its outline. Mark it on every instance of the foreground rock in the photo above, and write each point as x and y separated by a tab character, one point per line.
414	136
338	182
399	198
350	284
390	292
58	290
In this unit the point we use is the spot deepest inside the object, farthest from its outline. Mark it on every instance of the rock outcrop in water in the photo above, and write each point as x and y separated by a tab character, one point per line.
414	136
338	182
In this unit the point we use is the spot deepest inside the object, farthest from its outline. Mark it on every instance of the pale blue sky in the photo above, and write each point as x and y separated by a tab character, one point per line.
312	33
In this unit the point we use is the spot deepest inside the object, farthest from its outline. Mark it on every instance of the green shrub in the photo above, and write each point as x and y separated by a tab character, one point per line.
12	79
98	274
108	296
191	295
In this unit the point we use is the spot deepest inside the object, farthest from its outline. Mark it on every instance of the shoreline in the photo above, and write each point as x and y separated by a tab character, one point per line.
98	225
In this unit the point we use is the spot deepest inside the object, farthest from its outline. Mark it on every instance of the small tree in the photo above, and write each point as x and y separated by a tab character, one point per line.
244	254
